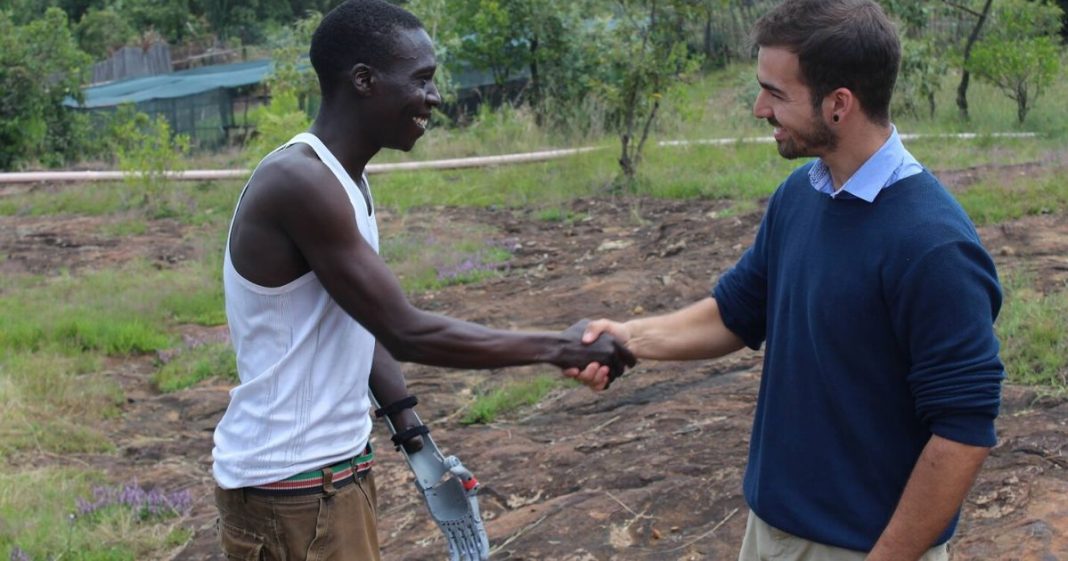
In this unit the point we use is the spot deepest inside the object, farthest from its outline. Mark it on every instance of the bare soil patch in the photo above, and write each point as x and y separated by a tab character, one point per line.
649	470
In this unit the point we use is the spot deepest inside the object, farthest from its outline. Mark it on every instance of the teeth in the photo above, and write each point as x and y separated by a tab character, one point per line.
422	122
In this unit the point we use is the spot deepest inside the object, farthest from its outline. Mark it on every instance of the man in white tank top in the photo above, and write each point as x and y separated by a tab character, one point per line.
318	320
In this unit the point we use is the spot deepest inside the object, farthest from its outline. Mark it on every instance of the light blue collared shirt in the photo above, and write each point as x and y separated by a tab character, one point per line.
891	163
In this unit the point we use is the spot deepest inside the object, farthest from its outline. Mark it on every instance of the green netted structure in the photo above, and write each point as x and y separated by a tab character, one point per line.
209	103
199	102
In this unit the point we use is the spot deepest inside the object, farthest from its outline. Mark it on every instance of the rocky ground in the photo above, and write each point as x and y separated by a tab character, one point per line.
648	470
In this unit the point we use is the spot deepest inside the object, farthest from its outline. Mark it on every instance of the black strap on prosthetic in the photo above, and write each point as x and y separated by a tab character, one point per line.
397	406
403	437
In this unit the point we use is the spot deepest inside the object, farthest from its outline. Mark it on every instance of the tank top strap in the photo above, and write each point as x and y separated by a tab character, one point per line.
328	158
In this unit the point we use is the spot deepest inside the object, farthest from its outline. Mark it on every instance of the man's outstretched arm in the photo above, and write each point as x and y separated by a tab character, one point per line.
694	332
935	490
305	202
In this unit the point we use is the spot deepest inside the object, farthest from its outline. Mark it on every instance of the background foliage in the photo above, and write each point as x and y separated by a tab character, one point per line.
586	70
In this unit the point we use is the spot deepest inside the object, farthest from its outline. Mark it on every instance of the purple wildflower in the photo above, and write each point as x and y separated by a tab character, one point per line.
467	267
145	503
472	265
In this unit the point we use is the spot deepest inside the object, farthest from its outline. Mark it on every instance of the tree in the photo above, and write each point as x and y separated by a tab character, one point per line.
643	52
438	16
494	36
292	72
100	32
173	19
1021	55
40	66
549	40
920	78
147	151
965	75
923	65
292	85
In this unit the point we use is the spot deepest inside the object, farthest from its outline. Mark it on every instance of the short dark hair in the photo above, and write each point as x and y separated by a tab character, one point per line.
356	31
838	43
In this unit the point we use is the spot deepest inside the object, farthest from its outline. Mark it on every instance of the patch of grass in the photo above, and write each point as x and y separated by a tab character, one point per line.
740	171
1032	328
113	335
48	398
550	183
39	511
429	262
738	208
88	199
192	203
203	202
201	305
117	312
57	331
991	201
510	397
559	215
195	365
57	435
122	228
505	130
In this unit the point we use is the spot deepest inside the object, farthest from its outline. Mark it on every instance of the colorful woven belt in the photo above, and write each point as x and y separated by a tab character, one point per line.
311	482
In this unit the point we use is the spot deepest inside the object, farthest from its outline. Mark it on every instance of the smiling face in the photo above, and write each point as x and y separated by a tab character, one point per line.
786	103
404	91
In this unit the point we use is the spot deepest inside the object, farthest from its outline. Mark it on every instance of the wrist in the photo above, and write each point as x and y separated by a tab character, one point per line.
554	349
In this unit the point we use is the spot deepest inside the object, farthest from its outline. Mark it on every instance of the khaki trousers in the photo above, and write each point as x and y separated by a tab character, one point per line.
765	543
338	525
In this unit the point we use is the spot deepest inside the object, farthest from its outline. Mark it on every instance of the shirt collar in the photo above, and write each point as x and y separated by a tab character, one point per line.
870	178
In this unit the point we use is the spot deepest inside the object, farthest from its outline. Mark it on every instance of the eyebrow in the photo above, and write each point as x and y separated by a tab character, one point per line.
770	87
429	69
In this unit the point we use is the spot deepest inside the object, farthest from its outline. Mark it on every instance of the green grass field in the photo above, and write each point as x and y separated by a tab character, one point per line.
60	331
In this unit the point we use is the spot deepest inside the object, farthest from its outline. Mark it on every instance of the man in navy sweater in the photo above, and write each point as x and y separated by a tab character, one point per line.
875	302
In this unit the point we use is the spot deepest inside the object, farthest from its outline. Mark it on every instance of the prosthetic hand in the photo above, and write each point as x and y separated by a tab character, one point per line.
448	488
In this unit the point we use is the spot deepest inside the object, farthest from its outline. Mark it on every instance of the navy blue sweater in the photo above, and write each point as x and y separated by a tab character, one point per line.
878	321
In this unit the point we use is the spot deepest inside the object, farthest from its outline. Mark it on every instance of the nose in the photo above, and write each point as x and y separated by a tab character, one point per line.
761	108
433	97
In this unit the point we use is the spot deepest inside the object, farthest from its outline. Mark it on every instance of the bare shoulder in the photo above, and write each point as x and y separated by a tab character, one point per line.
291	176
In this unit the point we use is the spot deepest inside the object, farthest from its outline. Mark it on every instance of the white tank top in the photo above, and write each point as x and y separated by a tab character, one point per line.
304	366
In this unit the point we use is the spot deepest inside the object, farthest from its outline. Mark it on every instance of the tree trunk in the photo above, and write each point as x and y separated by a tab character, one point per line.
1021	103
645	133
965	77
535	83
708	35
625	160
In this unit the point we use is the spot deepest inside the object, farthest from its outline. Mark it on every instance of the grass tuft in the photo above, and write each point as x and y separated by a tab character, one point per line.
195	365
1032	328
511	397
45	522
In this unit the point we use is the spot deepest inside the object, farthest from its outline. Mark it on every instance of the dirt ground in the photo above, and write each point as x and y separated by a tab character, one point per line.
648	470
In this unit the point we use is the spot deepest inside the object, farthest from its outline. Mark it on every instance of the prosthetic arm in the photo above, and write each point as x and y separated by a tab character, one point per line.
446	485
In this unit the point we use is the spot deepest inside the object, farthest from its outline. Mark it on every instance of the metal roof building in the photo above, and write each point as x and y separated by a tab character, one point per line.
199	102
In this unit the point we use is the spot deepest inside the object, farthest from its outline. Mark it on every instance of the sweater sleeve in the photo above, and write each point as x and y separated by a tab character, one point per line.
944	315
742	292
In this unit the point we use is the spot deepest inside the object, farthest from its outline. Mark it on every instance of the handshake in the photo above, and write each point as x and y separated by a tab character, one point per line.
595	353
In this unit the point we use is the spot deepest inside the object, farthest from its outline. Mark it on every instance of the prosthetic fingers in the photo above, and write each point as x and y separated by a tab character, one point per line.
448	488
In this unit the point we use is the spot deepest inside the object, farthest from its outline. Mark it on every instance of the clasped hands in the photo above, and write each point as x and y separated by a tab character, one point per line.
601	355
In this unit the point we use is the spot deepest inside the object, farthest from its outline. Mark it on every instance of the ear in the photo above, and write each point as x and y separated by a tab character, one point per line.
362	78
841	103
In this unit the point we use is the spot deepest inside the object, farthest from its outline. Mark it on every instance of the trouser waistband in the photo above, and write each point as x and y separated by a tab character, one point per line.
321	480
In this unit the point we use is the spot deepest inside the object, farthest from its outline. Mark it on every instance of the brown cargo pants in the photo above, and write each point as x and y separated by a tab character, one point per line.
332	525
